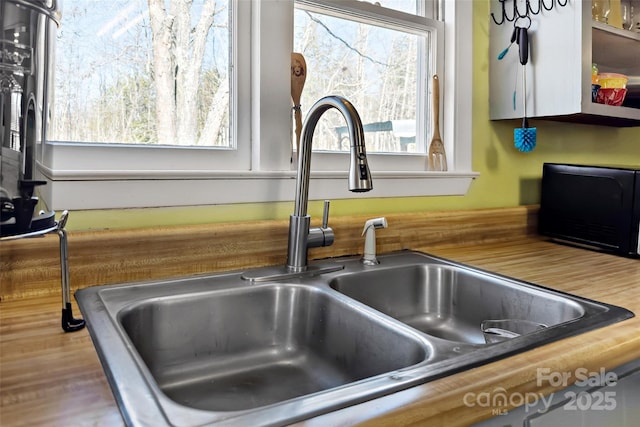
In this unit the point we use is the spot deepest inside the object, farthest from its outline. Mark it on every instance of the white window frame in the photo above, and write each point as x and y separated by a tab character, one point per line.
102	176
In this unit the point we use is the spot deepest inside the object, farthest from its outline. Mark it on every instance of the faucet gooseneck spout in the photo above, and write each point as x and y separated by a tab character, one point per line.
301	237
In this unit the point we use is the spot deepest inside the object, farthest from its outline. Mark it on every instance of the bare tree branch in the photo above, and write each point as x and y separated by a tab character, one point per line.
334	35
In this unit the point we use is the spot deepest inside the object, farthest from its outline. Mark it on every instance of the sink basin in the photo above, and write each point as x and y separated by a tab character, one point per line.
451	302
239	349
221	350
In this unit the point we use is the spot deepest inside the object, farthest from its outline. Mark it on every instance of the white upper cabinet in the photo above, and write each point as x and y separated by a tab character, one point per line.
564	42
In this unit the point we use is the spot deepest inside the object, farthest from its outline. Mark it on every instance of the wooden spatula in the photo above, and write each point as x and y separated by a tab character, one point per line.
298	76
437	155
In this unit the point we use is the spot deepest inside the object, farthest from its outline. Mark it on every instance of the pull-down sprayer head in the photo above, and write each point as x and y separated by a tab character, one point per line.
359	175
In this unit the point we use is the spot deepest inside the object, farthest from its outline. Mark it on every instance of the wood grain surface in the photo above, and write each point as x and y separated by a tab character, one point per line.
49	378
31	267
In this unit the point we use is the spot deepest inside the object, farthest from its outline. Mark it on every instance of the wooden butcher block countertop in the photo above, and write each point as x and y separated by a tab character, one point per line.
52	378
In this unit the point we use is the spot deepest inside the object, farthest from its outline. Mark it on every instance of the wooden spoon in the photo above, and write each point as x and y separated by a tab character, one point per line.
298	76
437	155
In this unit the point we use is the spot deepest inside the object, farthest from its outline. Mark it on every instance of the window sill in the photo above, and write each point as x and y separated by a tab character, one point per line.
82	190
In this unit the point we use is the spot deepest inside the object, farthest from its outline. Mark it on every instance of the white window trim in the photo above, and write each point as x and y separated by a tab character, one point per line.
77	182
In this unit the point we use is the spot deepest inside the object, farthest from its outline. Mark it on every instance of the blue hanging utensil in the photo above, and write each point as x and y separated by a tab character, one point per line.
524	138
514	35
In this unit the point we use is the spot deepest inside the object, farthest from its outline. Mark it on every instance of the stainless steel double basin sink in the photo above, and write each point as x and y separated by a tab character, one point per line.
222	350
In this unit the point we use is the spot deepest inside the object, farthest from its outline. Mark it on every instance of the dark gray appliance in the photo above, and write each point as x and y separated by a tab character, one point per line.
593	206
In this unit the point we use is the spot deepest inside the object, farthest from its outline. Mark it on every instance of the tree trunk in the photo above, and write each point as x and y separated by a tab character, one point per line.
163	71
215	117
178	52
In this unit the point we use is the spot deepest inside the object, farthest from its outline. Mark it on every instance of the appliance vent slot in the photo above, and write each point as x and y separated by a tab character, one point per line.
589	231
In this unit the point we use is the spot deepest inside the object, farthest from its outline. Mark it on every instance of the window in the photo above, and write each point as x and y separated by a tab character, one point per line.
249	158
380	64
382	60
135	72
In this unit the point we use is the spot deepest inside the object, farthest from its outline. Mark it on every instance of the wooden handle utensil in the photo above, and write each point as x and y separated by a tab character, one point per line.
437	156
298	77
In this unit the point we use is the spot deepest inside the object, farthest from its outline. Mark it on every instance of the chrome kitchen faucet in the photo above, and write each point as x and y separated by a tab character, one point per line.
301	237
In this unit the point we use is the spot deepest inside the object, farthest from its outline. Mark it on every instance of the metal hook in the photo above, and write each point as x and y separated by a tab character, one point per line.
545	5
528	10
531	9
516	10
503	13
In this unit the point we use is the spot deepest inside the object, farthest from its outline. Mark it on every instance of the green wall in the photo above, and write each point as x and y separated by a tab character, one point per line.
507	177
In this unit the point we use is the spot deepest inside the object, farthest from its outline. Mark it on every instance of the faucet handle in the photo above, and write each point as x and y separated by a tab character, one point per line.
322	236
325	214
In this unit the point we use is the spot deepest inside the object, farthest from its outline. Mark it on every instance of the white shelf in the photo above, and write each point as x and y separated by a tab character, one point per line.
611	111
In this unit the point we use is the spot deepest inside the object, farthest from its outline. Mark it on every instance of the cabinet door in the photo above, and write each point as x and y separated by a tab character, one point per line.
610	399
